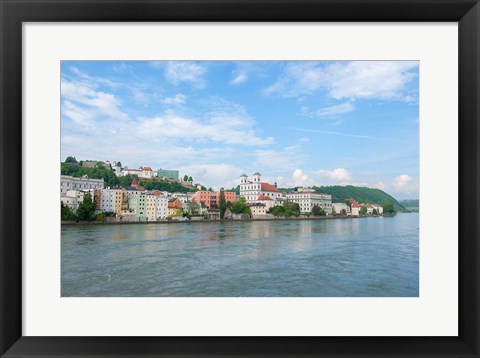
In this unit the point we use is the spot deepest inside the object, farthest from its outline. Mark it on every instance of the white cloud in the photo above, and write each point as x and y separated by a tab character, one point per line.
78	115
384	80
370	79
120	67
241	78
380	185
301	179
402	182
177	99
279	160
404	187
334	110
191	72
214	175
93	103
338	174
228	129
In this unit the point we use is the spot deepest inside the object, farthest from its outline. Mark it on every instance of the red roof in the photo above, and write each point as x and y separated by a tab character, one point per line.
147	168
269	187
264	197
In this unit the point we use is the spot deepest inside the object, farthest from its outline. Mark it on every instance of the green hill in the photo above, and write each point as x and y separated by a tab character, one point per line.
111	180
411	205
360	194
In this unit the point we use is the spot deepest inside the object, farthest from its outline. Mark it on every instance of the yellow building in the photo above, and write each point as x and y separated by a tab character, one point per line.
121	201
151	206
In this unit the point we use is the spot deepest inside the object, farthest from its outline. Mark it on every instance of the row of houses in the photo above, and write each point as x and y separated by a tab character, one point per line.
135	203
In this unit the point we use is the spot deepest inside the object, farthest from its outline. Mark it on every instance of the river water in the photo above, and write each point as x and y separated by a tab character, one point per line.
343	258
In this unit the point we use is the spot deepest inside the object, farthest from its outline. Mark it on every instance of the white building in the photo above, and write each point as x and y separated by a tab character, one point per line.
252	188
73	198
184	197
341	209
378	208
117	168
142	172
107	200
267	201
258	209
84	183
162	206
307	199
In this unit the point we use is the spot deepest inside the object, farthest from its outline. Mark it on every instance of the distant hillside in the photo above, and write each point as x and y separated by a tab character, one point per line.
360	194
111	180
411	205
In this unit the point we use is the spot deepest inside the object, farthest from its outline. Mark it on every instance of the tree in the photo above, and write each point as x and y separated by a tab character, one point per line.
318	211
276	210
291	209
190	179
375	212
193	207
241	207
388	208
363	210
71	160
222	204
86	209
66	213
185	177
308	214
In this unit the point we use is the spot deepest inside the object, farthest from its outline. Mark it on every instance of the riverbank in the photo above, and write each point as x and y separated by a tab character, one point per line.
73	223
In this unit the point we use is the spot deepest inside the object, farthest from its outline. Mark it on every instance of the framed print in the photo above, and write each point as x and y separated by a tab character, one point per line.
239	179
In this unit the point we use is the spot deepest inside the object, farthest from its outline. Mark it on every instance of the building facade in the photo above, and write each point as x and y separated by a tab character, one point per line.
174	205
84	183
162	206
142	172
167	174
252	188
211	199
308	199
151	207
138	205
257	209
341	209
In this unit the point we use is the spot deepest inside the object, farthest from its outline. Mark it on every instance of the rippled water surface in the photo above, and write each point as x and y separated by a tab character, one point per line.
345	257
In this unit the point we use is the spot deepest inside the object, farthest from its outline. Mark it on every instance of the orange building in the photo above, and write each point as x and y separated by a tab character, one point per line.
211	199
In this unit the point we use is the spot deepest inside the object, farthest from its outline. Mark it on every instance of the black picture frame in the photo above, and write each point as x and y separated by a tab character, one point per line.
14	12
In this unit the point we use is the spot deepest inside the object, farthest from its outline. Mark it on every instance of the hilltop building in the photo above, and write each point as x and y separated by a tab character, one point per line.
142	172
167	174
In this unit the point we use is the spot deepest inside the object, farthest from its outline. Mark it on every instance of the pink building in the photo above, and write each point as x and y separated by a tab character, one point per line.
212	198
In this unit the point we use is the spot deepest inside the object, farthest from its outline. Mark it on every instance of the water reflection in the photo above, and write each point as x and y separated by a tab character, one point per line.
351	257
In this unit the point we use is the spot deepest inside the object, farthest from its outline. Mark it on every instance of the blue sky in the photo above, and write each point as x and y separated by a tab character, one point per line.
299	123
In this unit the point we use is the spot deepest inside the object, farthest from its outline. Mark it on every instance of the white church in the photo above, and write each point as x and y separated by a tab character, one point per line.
252	188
